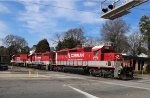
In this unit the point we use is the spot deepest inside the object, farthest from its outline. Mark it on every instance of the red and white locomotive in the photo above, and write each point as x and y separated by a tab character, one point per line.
98	61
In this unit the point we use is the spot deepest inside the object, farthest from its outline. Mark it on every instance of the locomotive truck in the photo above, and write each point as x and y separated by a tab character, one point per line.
100	61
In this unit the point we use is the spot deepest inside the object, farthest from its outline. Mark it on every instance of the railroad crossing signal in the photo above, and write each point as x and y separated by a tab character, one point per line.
112	11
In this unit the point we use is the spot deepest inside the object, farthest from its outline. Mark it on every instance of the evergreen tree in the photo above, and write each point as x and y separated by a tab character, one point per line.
42	46
25	50
145	30
71	43
3	50
73	38
11	50
59	46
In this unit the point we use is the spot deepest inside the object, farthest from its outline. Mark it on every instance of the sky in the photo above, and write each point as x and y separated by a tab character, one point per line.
38	19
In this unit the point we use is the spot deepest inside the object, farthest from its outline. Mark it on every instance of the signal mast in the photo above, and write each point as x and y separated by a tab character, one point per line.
118	8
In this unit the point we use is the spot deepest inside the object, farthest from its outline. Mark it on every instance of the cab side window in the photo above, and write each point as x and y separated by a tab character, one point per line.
96	53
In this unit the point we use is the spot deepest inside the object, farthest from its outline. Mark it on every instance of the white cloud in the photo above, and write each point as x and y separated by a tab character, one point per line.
35	19
90	4
82	17
44	16
4	9
3	31
35	16
89	18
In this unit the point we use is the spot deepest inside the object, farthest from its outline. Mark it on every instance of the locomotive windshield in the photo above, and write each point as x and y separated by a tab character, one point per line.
87	49
96	53
46	54
62	53
108	51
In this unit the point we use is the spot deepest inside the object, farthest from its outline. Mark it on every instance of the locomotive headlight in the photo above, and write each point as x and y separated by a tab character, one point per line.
130	73
119	71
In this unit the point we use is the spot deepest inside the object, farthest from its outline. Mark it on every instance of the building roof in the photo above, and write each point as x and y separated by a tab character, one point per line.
143	55
99	47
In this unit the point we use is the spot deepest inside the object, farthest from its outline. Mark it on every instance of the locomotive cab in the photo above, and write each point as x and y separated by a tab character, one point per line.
111	62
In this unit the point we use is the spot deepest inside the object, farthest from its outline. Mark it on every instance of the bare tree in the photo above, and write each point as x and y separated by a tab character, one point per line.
76	33
14	40
71	39
136	44
57	37
114	31
15	44
91	41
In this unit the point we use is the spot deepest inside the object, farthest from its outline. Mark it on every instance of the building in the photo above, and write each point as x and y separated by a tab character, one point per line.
138	63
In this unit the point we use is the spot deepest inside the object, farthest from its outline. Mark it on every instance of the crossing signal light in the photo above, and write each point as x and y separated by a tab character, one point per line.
110	7
105	10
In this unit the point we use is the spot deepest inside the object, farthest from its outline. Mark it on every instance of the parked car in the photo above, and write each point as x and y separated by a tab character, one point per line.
4	62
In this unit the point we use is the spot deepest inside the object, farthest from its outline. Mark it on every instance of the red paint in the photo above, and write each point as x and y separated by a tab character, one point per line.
97	53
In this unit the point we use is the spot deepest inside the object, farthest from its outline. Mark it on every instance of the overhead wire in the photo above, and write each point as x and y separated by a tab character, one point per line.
142	9
59	7
93	1
72	8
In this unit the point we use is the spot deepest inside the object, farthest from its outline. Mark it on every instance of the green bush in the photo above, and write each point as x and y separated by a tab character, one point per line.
148	68
140	72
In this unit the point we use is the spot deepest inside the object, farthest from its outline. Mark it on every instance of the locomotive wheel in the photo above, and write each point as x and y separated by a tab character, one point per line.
39	67
101	73
51	68
59	69
92	72
86	70
122	77
110	75
62	69
55	68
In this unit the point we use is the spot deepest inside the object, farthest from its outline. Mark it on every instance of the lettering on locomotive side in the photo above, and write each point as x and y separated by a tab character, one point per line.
76	55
